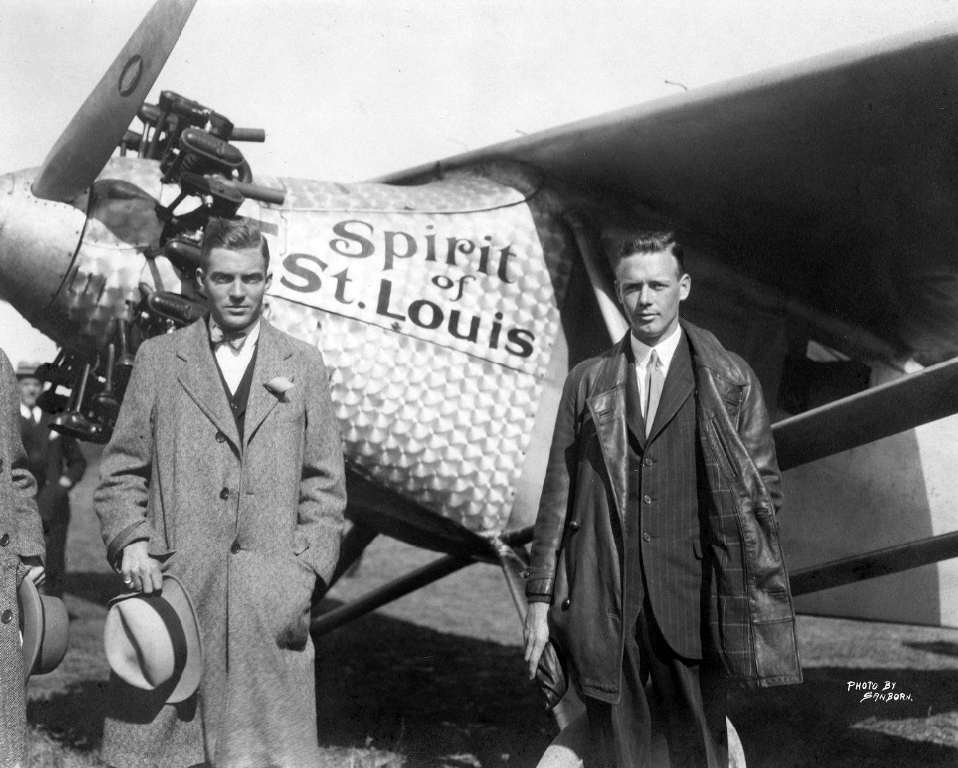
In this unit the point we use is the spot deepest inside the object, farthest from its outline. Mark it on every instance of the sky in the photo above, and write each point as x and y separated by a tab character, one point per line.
349	90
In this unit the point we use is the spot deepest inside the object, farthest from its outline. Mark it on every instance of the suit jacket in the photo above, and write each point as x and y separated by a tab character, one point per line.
663	528
20	536
247	526
577	559
51	456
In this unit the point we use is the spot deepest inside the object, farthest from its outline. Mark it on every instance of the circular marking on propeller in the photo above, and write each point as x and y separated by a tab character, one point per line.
130	76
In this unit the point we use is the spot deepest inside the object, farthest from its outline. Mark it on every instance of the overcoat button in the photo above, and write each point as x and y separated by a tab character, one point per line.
235	547
6	616
220	437
4	540
566	603
574	525
647	499
648	462
225	494
646	537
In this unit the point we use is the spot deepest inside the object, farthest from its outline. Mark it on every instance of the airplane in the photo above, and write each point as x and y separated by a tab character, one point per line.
450	299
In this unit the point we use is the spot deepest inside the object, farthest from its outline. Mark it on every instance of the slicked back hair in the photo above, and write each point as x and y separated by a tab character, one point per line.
233	235
652	242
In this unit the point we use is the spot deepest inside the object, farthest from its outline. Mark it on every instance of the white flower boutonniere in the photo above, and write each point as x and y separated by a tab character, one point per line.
280	387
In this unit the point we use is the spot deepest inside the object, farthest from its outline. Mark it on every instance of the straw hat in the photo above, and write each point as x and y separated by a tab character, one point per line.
153	641
45	628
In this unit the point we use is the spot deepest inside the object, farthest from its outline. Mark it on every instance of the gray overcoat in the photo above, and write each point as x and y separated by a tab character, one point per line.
246	528
20	536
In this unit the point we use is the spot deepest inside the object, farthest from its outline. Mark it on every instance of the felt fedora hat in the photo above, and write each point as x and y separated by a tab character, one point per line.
153	641
26	370
45	628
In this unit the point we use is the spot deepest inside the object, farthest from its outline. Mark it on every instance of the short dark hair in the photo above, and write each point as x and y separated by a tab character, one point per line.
234	235
652	241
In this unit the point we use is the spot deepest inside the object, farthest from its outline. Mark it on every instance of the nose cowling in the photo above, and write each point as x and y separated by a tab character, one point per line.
38	239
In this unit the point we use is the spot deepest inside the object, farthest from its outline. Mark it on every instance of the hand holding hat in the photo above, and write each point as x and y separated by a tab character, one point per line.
153	640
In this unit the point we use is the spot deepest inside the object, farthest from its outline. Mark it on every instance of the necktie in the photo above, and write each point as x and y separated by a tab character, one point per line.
654	382
219	336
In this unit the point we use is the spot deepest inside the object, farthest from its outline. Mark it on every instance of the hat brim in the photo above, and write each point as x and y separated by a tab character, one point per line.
45	627
177	598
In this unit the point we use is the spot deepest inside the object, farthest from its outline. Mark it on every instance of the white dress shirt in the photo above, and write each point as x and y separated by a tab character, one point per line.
665	349
234	362
27	413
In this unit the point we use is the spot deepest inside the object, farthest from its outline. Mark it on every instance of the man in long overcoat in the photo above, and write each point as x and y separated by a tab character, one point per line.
225	469
655	556
21	553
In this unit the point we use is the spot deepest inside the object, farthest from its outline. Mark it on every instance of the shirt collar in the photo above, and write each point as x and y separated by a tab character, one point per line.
665	348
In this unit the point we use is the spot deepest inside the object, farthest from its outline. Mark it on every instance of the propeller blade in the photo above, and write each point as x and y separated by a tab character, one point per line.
888	409
97	128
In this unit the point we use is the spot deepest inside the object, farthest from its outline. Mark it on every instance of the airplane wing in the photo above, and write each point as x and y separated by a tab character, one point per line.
834	180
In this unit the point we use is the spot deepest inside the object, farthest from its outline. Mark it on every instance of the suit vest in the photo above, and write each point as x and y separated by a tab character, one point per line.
240	398
663	536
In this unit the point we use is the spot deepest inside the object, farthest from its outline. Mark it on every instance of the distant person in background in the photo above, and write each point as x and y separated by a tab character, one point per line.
57	463
21	553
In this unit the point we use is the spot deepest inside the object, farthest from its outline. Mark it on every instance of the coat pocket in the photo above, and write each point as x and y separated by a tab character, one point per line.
293	629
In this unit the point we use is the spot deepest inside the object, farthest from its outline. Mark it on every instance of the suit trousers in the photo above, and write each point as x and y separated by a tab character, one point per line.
683	697
54	505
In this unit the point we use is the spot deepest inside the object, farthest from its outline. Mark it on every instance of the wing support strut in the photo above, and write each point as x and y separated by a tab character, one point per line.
395	589
616	325
885	410
880	562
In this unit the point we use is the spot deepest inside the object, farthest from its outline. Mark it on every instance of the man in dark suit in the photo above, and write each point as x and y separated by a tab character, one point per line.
58	464
656	557
226	470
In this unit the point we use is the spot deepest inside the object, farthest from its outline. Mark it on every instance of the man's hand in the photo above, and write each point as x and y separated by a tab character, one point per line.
37	574
141	572
536	632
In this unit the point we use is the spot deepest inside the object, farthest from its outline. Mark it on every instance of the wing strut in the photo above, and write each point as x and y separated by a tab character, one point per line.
615	323
885	410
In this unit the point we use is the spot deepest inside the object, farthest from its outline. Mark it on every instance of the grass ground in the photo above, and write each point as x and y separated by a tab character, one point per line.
435	680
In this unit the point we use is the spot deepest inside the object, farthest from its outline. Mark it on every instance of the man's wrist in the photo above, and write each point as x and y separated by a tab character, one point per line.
538	599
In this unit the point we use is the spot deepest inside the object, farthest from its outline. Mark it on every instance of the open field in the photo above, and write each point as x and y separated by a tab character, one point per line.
436	679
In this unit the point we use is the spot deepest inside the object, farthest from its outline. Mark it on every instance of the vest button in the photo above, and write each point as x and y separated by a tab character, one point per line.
225	494
220	437
574	525
7	616
4	540
566	603
235	547
646	537
647	499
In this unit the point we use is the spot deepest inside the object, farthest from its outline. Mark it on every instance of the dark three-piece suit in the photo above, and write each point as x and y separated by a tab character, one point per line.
52	456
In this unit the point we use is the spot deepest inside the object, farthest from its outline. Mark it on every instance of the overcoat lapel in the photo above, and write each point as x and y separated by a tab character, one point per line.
679	386
271	359
608	407
200	377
